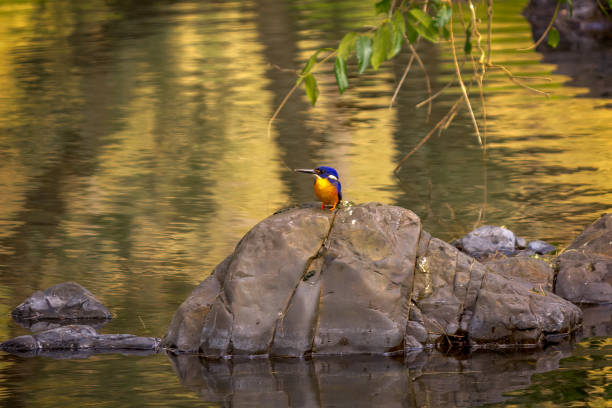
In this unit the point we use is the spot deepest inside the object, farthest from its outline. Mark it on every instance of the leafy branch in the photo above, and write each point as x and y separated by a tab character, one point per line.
406	23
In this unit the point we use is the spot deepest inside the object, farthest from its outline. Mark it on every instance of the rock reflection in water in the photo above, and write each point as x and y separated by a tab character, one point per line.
427	378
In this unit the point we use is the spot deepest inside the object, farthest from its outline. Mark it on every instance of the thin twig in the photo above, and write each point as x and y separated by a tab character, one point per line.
277	111
434	96
490	30
279	68
480	77
458	70
552	21
516	81
427	82
401	82
442	121
297	83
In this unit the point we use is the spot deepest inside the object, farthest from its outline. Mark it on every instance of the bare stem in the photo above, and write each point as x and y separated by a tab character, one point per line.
401	82
458	70
427	82
516	81
552	21
277	111
443	122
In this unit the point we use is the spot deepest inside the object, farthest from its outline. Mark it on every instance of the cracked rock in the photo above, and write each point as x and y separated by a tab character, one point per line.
382	285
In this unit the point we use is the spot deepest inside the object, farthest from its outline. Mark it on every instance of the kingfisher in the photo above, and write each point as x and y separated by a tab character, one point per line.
326	185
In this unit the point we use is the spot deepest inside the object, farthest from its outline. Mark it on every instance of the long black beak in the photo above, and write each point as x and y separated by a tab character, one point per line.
310	171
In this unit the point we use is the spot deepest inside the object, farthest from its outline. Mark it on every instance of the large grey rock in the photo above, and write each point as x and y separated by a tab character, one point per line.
365	279
77	337
585	267
64	301
487	240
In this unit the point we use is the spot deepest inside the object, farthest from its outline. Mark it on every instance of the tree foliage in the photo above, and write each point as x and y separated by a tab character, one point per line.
401	25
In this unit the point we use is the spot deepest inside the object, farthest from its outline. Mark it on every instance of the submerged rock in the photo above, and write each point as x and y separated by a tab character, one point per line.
585	267
365	279
64	301
77	337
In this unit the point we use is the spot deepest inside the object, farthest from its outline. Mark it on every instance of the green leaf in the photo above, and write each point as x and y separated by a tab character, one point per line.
553	37
423	24
467	47
347	45
312	89
363	48
396	47
311	62
382	46
411	33
442	17
340	71
399	24
382	6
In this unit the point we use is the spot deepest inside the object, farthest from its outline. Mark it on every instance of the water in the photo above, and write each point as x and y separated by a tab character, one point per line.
134	155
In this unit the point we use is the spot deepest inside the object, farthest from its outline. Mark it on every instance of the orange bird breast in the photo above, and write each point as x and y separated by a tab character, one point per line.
326	191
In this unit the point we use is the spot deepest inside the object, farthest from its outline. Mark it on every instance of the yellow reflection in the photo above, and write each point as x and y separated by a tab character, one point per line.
241	163
359	142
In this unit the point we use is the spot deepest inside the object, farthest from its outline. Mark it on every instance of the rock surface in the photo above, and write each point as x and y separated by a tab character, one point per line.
67	300
77	337
365	279
486	240
535	273
585	267
540	247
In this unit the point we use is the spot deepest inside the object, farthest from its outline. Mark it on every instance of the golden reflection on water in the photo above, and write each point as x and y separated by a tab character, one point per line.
134	150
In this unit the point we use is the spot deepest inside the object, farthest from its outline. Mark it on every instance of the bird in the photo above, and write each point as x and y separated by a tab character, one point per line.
326	185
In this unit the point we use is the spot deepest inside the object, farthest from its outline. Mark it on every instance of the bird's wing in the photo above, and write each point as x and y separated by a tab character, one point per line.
338	186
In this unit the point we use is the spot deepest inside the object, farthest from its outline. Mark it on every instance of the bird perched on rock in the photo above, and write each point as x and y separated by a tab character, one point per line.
326	185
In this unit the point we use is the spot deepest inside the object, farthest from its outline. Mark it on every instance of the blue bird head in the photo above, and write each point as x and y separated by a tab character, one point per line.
322	172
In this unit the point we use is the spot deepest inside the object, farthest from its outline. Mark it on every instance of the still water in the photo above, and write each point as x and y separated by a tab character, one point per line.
134	155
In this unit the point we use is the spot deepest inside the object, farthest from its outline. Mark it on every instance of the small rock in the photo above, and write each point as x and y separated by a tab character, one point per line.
521	243
487	239
67	300
540	247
